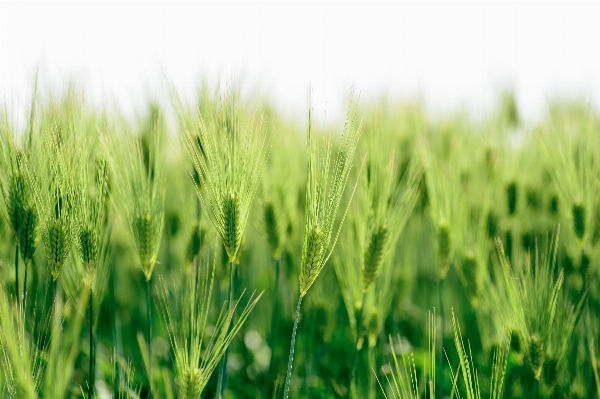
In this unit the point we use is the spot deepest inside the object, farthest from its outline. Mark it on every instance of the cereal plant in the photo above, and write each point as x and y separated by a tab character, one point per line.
282	254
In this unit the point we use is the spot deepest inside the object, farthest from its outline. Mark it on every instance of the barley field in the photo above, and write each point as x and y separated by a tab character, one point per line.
212	248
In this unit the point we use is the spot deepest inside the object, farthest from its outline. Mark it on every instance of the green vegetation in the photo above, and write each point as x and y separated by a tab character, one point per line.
406	256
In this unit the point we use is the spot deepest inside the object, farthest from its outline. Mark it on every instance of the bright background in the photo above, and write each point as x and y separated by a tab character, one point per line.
451	54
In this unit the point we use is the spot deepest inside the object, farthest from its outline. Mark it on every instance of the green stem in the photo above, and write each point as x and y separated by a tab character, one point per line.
288	375
56	292
116	346
17	270
371	356
223	366
355	354
149	314
271	339
91	385
442	332
26	264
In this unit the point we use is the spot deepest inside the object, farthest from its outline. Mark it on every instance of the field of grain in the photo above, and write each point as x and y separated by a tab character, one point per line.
212	248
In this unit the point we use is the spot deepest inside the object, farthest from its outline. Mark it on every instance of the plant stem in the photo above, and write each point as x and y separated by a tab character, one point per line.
115	340
149	314
56	292
26	264
355	354
223	366
17	270
271	338
371	359
288	375
91	386
441	355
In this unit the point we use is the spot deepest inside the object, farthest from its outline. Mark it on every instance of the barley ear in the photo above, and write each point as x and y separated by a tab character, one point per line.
444	247
374	256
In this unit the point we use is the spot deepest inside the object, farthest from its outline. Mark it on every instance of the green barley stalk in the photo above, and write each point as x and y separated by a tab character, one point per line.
64	346
92	183
469	372
20	359
138	164
574	167
228	152
381	211
92	241
404	383
186	323
18	205
55	196
472	241
323	198
542	316
442	189
277	217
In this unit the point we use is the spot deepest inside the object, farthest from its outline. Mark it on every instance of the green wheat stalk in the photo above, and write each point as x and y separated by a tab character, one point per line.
323	198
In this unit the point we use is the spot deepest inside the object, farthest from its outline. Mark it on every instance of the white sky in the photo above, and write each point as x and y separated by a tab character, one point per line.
451	53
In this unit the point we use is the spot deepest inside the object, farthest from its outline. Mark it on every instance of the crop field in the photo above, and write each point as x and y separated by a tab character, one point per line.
213	248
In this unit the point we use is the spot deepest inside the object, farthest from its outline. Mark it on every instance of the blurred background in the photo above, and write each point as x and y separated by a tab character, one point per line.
452	54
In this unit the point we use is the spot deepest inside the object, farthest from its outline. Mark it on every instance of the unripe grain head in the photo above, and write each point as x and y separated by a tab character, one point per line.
578	213
190	384
444	247
511	195
374	256
88	246
313	256
536	354
17	198
471	272
195	243
271	227
145	231
28	230
232	237
57	244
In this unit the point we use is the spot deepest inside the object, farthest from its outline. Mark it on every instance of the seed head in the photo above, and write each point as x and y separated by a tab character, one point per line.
19	205
444	248
146	231
58	227
138	167
17	198
271	227
532	298
550	371
374	256
227	150
323	197
195	243
579	222
88	244
471	271
90	210
57	237
28	233
186	323
312	259
511	195
536	354
232	236
190	383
